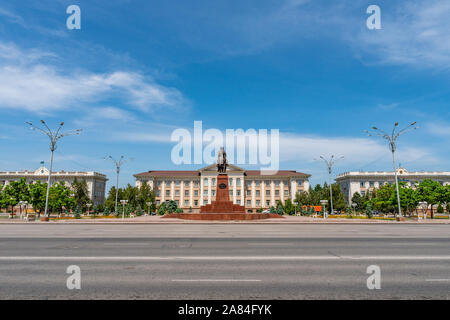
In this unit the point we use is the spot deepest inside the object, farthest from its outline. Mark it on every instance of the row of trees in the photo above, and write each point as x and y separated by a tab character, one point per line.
61	198
139	199
314	195
384	199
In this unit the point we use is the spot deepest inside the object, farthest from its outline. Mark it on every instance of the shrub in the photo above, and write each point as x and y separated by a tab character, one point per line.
179	210
106	212
77	213
162	209
440	209
190	209
139	212
369	212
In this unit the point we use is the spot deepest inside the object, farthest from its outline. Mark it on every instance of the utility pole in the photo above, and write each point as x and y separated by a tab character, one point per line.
54	136
329	163
392	139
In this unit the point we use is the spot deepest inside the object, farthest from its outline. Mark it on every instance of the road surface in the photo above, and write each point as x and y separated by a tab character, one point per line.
245	261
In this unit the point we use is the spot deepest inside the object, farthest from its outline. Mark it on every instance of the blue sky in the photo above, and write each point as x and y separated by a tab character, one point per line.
138	70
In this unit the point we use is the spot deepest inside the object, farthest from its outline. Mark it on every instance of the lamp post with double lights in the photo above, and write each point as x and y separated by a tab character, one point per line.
118	164
329	163
392	139
54	136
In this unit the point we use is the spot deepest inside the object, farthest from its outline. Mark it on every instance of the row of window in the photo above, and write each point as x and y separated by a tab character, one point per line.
213	182
213	193
196	203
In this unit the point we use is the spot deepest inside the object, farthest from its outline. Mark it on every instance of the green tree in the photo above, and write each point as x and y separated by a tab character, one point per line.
60	198
431	192
81	193
146	195
171	206
289	207
359	200
14	192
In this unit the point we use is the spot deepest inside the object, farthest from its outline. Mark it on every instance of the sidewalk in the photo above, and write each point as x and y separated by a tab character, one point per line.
285	220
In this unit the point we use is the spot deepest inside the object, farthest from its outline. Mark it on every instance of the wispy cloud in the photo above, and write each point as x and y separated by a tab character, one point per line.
414	34
41	87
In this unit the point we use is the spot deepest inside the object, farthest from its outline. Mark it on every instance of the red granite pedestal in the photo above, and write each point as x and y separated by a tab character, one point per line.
222	203
222	208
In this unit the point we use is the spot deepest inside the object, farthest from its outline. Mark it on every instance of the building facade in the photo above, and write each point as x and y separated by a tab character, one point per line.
249	188
366	181
96	182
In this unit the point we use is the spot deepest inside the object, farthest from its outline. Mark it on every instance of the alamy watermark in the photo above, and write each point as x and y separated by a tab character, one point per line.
253	147
74	20
74	280
374	280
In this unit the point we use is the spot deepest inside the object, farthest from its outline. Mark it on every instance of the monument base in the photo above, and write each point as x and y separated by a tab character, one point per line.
222	204
223	216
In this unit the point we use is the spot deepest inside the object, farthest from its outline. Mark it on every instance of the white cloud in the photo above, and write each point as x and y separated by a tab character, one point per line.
39	87
438	129
414	34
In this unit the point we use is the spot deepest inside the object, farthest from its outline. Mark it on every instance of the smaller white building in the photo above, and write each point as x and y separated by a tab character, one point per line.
96	182
367	181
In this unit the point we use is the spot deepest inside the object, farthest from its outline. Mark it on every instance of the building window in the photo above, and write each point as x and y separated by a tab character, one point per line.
267	182
361	184
186	203
158	183
167	193
249	203
186	183
300	182
267	203
196	184
257	183
177	193
205	182
238	202
205	192
158	202
231	193
248	183
238	192
277	183
249	192
277	192
258	193
258	203
238	182
158	193
213	193
186	193
286	193
371	183
196	193
213	180
195	202
177	183
230	181
267	192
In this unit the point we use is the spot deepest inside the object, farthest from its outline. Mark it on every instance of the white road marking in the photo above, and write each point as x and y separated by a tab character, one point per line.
216	280
254	258
437	280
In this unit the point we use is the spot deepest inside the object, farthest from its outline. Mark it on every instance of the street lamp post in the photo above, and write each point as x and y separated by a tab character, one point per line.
88	205
329	163
118	164
354	207
148	207
54	136
424	206
325	212
123	202
392	139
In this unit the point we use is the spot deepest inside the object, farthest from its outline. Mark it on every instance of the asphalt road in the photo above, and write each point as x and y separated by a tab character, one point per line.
245	261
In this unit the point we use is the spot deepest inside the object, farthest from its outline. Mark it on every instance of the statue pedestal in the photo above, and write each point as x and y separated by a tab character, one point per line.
222	204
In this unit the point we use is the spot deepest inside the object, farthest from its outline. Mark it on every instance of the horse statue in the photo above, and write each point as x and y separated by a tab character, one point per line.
222	161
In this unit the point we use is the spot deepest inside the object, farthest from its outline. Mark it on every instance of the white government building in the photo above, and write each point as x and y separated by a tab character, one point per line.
367	181
249	188
96	182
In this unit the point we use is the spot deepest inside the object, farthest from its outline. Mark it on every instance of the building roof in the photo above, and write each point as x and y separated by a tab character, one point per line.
191	173
168	173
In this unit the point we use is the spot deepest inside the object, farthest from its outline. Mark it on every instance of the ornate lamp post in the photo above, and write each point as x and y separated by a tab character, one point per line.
392	139
54	136
118	164
329	163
